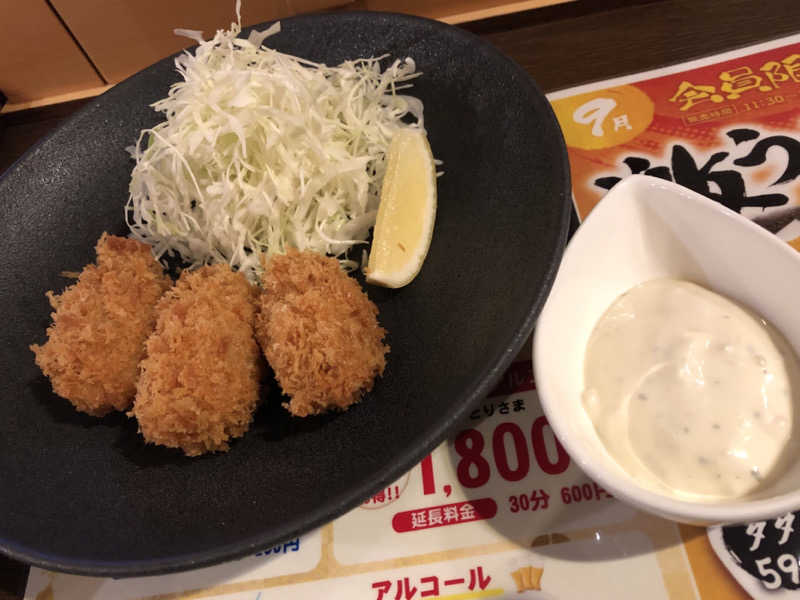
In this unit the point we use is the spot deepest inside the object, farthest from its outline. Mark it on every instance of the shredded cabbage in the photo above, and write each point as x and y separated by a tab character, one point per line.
261	151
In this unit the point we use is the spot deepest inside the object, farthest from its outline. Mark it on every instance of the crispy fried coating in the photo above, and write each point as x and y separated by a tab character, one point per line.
199	383
99	327
320	333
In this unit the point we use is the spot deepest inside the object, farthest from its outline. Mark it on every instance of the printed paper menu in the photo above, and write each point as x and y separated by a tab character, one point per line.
726	127
500	510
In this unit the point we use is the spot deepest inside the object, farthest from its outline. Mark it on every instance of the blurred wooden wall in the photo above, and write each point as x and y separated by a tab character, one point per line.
58	50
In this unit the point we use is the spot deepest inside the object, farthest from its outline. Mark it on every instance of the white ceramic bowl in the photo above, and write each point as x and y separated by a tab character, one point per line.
643	229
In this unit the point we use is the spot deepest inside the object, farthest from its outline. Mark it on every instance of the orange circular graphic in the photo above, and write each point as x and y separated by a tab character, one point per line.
604	118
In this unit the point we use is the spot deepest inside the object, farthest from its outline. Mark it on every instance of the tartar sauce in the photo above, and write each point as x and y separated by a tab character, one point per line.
691	392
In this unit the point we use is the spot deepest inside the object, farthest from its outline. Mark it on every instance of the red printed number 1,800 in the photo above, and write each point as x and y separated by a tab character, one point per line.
473	470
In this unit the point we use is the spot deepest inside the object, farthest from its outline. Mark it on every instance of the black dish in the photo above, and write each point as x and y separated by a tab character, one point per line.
87	496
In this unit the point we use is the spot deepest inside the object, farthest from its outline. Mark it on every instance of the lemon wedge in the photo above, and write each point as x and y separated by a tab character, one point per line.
407	211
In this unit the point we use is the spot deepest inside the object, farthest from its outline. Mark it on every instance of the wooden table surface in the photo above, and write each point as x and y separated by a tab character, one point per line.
559	46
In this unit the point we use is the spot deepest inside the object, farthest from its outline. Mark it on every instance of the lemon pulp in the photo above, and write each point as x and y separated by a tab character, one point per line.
407	211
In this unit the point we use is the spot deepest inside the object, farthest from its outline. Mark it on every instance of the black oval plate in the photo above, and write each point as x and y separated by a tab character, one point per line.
87	496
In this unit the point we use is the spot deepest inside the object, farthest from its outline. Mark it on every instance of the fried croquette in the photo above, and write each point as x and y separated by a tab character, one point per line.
319	332
100	325
199	383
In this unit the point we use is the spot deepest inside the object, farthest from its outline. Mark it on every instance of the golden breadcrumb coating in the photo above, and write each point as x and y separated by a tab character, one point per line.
199	383
99	327
320	333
